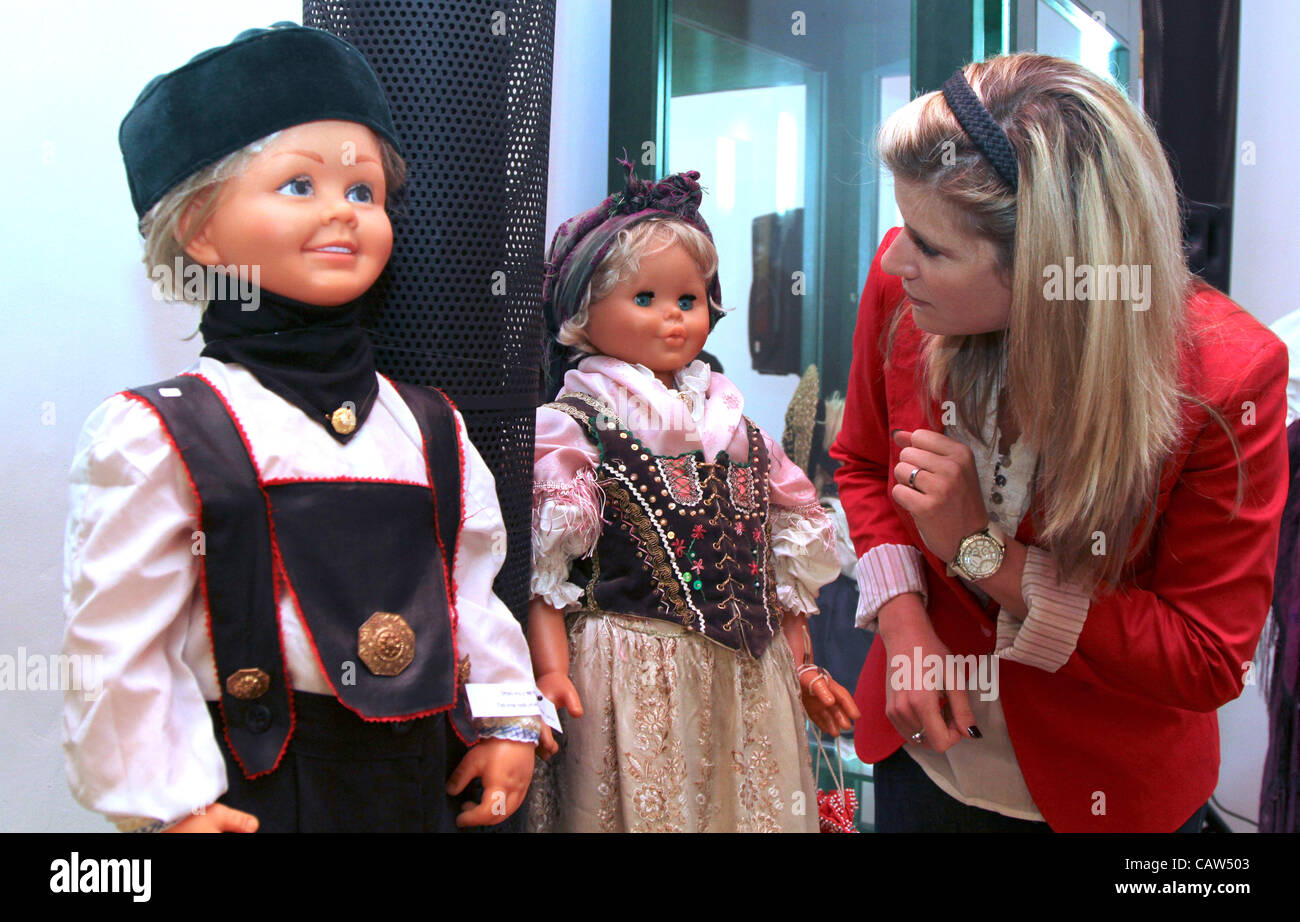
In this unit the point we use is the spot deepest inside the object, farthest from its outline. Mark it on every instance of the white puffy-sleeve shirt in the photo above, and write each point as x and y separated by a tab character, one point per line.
143	745
703	412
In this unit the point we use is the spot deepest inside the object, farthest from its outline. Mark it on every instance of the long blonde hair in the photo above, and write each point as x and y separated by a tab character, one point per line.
1092	381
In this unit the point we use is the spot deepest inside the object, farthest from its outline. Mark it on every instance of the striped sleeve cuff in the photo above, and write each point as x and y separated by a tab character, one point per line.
517	729
885	571
1057	611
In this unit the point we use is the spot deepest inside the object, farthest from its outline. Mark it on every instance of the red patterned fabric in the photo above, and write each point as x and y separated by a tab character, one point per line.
836	810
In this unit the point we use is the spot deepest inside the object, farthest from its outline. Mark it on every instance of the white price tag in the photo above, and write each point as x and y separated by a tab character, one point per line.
549	714
502	699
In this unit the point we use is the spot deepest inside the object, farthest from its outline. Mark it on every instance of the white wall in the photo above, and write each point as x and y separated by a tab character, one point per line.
79	320
580	156
1265	238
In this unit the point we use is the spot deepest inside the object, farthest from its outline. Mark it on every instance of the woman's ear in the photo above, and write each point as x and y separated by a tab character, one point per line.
195	243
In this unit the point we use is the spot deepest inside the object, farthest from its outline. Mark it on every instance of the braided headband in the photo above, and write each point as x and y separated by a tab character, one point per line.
982	129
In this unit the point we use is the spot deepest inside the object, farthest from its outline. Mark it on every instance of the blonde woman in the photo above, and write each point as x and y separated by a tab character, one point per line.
1064	467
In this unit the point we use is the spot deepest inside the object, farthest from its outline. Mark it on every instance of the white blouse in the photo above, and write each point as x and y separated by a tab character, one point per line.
703	412
984	773
143	746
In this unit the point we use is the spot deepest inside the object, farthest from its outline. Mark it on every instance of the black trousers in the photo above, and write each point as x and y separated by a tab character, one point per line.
344	774
908	801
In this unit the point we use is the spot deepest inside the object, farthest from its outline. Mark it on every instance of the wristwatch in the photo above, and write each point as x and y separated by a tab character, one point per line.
979	555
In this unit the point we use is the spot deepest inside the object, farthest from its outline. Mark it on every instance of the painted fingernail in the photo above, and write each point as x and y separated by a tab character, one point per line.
894	432
974	732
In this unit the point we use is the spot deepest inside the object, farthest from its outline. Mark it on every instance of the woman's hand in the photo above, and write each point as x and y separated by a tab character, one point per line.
905	629
217	818
560	691
944	498
506	767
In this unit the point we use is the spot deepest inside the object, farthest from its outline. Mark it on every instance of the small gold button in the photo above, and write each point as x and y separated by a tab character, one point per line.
386	643
344	420
247	684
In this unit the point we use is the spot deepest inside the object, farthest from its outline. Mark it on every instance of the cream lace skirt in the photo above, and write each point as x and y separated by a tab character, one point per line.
679	734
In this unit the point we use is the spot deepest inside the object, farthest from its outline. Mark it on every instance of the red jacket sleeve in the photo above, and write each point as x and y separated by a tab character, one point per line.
1185	631
863	444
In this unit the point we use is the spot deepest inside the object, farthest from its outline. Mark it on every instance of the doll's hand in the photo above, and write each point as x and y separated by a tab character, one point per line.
217	818
944	499
827	702
559	690
506	769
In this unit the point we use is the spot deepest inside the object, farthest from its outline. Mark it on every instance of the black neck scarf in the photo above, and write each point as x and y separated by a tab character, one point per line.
317	358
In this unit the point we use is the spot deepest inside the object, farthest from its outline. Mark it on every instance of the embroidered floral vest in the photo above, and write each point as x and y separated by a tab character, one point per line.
683	541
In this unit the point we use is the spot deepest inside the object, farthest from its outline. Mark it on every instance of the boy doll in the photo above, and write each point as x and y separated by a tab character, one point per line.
284	559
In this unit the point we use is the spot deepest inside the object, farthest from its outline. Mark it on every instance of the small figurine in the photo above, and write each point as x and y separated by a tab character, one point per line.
677	550
283	559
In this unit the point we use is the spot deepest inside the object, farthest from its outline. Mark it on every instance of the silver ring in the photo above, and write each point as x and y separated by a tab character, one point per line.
917	736
911	480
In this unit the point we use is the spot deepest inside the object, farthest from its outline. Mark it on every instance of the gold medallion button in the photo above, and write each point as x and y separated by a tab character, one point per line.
247	684
386	643
344	420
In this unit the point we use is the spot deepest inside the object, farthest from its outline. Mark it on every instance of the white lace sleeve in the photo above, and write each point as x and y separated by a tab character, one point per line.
803	545
566	524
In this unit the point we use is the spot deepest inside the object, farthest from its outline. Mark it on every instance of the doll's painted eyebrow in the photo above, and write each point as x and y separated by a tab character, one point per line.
312	155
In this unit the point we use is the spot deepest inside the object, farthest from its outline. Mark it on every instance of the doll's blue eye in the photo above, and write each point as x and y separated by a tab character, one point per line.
644	298
361	193
299	185
686	302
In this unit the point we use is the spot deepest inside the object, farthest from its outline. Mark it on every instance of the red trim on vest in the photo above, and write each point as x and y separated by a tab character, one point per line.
448	573
460	524
203	563
203	581
280	481
451	723
248	446
280	626
282	573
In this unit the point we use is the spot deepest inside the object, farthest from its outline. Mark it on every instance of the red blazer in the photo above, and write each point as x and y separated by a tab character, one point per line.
1130	717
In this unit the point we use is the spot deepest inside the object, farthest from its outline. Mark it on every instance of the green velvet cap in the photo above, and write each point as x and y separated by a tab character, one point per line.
228	97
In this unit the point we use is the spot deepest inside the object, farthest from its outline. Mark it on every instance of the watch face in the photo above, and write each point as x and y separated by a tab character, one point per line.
980	556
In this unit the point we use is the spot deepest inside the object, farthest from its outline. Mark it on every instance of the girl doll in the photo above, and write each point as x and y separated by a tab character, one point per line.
283	559
686	596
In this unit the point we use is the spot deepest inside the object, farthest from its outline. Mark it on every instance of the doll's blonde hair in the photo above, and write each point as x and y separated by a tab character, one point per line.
650	236
161	226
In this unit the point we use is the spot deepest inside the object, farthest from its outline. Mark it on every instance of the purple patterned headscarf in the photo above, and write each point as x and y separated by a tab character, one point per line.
581	242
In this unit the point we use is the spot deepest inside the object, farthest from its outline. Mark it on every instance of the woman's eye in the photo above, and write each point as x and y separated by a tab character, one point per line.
299	185
926	249
644	298
361	193
686	302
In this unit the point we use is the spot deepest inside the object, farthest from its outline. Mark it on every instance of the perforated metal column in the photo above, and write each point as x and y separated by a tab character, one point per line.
469	82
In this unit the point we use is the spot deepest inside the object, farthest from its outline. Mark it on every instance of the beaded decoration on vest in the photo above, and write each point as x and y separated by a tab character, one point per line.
684	540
